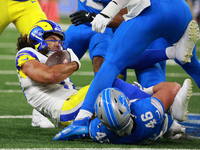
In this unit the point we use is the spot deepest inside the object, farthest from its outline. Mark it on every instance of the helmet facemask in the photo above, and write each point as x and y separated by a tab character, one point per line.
43	29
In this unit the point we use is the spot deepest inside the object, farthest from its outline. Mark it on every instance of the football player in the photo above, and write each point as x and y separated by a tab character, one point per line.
124	54
81	38
48	89
140	120
24	14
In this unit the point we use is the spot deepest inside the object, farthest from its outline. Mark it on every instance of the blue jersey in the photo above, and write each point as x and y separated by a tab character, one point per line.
149	119
133	37
92	6
81	38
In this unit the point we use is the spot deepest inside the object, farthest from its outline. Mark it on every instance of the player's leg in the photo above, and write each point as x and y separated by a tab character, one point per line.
78	40
127	44
156	73
72	106
97	50
25	14
192	68
69	111
131	91
180	104
4	15
98	46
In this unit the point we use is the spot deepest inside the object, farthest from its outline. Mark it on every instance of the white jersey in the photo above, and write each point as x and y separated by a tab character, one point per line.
135	7
46	98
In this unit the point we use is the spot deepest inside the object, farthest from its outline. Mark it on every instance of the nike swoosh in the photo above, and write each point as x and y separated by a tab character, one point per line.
87	14
33	1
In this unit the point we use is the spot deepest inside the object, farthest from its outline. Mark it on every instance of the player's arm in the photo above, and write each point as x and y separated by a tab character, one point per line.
40	72
113	8
166	92
118	19
82	16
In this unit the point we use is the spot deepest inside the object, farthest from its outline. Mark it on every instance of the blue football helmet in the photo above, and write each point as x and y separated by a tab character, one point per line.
42	30
112	107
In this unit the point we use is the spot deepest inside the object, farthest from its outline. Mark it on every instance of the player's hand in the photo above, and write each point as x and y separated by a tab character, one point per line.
81	17
138	85
74	57
100	22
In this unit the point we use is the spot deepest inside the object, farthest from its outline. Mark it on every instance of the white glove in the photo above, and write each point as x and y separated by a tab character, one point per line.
148	90
74	57
99	23
138	85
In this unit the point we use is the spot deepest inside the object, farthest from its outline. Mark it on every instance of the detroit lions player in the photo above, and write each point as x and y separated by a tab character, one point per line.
134	35
138	120
193	68
123	127
81	38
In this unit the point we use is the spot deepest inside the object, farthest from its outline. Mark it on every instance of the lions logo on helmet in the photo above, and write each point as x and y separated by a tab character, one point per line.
42	30
112	107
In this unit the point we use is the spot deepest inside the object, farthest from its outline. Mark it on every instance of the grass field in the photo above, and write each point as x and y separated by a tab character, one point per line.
15	120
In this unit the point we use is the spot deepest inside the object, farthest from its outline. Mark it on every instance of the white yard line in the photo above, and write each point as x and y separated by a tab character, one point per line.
96	149
78	88
90	73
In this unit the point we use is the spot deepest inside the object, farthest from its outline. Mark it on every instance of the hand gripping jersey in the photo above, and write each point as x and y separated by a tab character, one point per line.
46	98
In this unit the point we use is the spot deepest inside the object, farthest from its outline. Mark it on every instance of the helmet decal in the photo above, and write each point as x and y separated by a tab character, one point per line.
42	30
112	107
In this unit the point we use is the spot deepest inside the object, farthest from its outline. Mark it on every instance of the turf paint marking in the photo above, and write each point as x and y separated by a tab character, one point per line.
95	149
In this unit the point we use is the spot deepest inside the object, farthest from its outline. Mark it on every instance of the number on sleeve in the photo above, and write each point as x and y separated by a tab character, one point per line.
147	117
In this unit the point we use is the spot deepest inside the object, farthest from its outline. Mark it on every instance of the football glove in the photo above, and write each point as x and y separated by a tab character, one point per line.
81	17
100	23
74	57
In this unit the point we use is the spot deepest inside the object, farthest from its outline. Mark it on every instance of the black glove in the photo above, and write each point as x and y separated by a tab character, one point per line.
81	17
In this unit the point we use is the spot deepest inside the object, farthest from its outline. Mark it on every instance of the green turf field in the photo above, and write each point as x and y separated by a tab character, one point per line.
16	132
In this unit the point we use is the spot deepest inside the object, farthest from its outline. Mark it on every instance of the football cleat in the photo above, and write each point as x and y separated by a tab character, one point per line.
78	129
180	104
184	47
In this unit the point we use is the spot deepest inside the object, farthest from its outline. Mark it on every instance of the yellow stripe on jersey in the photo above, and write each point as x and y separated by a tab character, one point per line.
22	60
70	105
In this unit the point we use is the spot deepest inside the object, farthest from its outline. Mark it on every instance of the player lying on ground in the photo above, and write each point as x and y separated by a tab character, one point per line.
48	89
128	115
